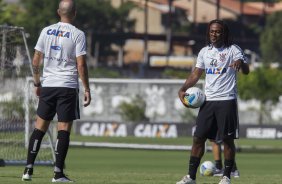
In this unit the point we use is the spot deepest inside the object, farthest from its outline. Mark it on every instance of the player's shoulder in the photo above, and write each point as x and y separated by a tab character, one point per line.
205	49
47	28
51	26
80	32
235	47
77	31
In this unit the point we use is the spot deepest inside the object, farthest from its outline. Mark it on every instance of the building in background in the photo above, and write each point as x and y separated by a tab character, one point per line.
155	33
154	19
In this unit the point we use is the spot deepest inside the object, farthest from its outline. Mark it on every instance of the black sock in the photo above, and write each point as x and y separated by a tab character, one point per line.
234	168
228	165
193	166
218	164
61	149
34	146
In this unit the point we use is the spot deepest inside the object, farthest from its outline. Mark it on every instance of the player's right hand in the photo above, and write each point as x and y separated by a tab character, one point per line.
37	91
87	98
181	95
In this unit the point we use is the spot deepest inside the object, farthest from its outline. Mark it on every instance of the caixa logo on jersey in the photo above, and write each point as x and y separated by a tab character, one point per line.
216	70
155	130
103	129
58	33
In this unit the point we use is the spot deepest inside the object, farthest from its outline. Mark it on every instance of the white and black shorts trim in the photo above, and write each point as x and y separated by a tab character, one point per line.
60	100
218	120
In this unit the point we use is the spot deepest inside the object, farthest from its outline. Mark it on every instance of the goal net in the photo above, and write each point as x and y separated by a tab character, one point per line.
17	113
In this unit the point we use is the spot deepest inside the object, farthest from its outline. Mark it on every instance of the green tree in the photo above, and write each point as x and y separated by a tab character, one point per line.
37	15
10	14
270	40
263	84
92	16
101	17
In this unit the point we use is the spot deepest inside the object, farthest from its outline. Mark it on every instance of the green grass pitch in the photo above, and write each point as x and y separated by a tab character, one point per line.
125	166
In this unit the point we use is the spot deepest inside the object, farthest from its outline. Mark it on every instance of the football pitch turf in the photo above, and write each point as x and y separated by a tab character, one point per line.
129	166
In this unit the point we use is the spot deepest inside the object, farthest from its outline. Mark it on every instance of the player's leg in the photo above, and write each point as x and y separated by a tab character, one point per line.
197	152
45	113
229	155
216	150
228	125
36	137
61	149
235	171
67	111
205	128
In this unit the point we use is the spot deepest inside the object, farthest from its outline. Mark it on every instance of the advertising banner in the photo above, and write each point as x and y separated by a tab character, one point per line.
165	130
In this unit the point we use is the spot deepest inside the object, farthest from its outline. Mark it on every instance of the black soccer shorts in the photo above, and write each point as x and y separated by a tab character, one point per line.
60	100
218	120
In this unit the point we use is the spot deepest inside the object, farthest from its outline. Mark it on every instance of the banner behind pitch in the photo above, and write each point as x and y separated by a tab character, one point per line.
165	130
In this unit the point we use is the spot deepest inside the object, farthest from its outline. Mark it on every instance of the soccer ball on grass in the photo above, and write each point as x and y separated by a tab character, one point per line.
207	168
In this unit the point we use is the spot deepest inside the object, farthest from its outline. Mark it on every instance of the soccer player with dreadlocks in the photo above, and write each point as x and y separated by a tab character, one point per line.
217	119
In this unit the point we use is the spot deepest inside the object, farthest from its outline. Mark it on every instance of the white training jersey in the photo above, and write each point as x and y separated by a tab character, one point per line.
60	44
220	81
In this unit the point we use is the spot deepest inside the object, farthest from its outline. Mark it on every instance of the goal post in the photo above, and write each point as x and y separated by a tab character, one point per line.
18	102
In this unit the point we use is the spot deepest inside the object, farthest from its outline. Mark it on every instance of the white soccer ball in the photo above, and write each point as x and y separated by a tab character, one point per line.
194	97
207	168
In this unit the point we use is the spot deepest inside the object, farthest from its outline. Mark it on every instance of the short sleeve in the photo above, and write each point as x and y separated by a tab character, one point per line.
238	54
80	48
40	42
200	59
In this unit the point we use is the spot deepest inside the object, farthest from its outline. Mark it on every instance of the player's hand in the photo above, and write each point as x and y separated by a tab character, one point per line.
37	91
181	95
87	98
236	65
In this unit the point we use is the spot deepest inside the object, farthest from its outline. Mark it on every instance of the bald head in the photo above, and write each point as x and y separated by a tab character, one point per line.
67	8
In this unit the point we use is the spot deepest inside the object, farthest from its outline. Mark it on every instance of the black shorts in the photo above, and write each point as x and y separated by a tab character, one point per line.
218	120
60	100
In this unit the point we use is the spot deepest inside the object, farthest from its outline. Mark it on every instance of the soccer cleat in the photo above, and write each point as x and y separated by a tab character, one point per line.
61	178
218	172
27	175
186	180
225	180
235	174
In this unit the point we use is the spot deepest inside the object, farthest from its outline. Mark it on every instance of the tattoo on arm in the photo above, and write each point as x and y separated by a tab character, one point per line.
35	69
36	62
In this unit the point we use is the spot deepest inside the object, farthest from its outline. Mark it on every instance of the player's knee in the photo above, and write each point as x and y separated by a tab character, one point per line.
66	126
199	141
229	144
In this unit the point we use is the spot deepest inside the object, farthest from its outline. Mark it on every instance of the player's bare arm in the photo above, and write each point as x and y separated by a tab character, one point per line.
83	74
191	80
36	71
36	66
239	64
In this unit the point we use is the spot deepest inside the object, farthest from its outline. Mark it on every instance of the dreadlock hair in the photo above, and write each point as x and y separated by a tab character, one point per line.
227	41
